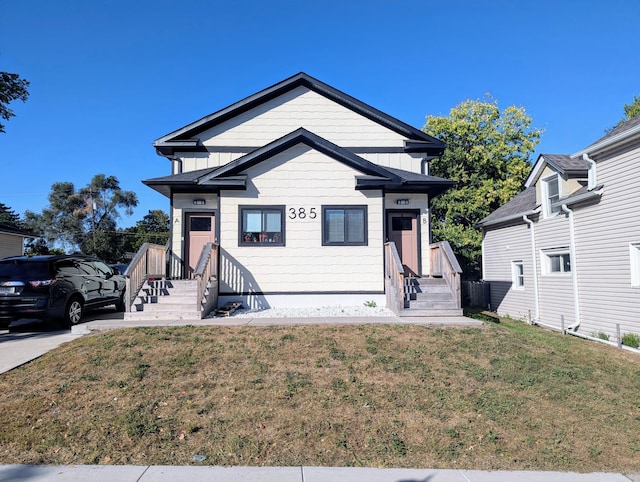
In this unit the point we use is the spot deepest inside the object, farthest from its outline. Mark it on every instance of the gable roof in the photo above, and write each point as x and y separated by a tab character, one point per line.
561	163
620	133
184	139
523	203
233	176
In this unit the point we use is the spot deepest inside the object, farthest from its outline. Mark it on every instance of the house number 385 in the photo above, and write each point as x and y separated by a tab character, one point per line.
302	213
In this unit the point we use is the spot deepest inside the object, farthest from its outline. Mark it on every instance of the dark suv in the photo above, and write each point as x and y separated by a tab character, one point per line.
56	287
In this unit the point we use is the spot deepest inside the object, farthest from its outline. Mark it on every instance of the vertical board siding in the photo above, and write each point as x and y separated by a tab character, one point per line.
301	177
501	247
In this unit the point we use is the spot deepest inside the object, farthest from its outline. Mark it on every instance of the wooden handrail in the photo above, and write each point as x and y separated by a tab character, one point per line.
149	262
206	268
393	278
445	264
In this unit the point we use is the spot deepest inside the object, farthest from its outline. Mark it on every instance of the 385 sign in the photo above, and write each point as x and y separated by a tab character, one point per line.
302	213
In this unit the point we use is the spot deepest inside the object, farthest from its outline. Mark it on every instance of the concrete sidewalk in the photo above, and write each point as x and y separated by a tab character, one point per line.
123	473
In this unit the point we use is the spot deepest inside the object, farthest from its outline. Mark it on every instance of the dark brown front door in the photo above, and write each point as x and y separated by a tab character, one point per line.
200	230
402	229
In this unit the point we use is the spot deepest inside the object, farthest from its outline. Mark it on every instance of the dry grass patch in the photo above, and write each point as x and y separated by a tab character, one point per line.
505	396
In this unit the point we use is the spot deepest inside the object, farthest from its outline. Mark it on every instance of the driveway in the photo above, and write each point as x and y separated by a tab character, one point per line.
29	339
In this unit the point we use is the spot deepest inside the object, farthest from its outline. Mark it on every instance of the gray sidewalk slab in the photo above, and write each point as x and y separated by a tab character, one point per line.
19	348
137	473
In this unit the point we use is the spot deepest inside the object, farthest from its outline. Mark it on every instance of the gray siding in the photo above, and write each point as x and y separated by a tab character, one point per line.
603	234
501	248
10	245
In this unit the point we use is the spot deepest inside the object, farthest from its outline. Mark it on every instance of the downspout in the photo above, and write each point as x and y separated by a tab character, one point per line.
536	297
574	268
592	171
424	164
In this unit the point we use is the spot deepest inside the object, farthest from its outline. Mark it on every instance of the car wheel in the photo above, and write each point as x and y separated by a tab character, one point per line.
120	303
73	312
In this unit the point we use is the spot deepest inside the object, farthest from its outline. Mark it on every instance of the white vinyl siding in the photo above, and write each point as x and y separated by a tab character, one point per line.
310	180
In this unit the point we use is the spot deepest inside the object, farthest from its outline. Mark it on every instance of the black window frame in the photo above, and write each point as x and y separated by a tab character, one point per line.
346	207
242	233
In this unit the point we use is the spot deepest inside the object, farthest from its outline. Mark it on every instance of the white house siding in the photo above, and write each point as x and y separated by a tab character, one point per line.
500	248
10	245
603	234
301	178
300	107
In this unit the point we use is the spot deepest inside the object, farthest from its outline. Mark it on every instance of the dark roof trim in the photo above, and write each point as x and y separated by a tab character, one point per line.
184	183
302	136
300	79
6	229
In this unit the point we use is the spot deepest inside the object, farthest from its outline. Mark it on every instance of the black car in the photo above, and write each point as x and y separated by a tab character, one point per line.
56	287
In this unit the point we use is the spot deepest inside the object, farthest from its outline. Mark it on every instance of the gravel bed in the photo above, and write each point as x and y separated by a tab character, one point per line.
314	312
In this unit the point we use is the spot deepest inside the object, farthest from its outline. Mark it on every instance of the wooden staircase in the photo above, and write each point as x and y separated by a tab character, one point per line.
166	300
429	297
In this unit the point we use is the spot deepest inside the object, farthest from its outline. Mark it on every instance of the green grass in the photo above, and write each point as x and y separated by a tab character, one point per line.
503	396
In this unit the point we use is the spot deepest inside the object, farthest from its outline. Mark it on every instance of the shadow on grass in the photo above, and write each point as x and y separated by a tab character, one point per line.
482	315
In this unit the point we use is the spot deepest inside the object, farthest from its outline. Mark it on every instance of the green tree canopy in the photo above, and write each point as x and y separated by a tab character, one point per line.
12	87
488	157
633	109
153	228
84	220
8	218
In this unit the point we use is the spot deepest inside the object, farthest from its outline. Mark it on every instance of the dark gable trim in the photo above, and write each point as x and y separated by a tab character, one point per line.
302	136
190	131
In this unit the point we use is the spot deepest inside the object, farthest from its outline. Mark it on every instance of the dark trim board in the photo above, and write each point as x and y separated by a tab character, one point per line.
431	145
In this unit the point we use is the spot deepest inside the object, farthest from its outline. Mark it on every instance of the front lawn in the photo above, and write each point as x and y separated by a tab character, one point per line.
503	396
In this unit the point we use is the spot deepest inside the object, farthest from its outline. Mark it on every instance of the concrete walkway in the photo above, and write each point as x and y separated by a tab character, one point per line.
17	348
122	473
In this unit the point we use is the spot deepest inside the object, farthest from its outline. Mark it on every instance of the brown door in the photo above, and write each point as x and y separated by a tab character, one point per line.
201	230
402	229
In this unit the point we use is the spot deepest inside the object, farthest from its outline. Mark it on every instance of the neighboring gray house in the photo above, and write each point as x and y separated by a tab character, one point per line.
12	241
568	246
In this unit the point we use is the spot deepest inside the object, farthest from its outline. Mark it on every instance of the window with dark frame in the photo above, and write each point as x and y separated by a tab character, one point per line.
261	226
344	226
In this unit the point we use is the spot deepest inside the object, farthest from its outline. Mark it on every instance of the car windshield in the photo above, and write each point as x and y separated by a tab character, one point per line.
24	269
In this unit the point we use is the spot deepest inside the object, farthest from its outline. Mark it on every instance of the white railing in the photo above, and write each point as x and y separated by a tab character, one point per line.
149	262
444	264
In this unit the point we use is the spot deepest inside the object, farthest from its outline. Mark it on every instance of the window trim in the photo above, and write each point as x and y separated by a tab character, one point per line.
634	264
360	207
281	208
552	253
550	211
517	279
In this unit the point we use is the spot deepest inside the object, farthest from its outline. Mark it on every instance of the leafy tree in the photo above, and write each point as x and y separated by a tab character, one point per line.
84	220
488	157
153	228
633	109
12	87
9	218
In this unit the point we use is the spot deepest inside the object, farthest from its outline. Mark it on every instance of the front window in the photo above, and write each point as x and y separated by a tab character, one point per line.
557	262
551	191
634	252
262	226
344	225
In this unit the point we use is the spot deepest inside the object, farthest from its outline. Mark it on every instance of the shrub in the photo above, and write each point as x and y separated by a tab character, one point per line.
631	339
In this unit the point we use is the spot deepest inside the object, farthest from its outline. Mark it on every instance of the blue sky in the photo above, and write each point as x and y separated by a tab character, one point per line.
108	77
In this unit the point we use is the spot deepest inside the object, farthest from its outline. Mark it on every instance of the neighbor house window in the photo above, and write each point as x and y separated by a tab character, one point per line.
634	251
261	226
517	272
557	261
344	225
551	194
